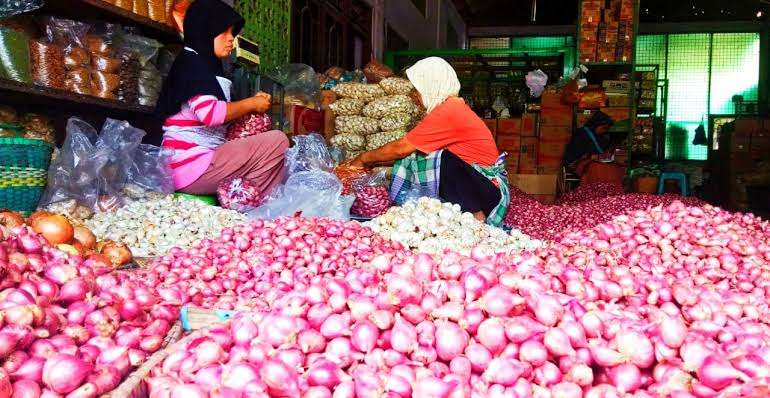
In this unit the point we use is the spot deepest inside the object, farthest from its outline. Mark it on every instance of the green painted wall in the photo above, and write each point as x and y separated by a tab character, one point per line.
268	22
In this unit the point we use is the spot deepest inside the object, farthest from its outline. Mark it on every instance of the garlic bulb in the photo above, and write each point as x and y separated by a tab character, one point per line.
430	226
155	226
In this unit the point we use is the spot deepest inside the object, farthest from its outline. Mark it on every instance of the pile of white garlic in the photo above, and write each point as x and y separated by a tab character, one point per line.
153	227
429	226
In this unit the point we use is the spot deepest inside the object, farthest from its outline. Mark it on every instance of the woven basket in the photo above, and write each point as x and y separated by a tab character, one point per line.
134	386
23	173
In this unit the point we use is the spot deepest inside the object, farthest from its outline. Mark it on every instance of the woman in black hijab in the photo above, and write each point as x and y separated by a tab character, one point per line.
195	101
588	140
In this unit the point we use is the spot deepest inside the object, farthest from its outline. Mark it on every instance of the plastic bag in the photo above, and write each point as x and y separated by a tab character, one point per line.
309	153
300	84
396	86
401	121
10	8
310	194
361	91
359	125
347	175
571	94
14	56
592	97
311	188
375	141
372	198
390	106
347	107
239	194
536	81
47	64
73	174
375	71
128	91
145	49
66	32
246	126
149	170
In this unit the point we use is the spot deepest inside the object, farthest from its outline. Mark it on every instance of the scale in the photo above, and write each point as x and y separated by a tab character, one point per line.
247	79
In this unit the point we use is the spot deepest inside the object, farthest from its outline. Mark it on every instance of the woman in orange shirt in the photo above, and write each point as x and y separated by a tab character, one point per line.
451	154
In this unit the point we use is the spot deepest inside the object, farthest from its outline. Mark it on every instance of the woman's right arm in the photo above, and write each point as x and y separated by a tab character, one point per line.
237	109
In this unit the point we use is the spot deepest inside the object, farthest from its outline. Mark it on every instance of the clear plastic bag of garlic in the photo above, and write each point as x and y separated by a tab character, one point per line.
429	226
375	141
153	227
349	142
396	85
347	107
390	106
360	91
360	125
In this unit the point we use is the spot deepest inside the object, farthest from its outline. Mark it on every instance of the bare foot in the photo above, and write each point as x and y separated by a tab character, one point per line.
479	215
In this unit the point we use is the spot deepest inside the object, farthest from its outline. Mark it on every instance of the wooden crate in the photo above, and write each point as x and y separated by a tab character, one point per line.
134	386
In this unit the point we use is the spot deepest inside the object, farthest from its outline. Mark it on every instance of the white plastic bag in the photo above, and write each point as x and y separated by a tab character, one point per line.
536	81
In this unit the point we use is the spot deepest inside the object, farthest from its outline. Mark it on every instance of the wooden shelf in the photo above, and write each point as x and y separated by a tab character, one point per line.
20	93
101	10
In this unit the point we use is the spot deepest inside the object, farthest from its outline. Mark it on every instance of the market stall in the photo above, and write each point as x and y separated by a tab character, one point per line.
114	285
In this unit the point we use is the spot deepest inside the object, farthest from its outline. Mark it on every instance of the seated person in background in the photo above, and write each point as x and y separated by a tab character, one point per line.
451	154
588	141
587	144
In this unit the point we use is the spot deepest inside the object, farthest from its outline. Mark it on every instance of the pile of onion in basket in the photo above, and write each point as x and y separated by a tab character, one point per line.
430	226
663	302
69	327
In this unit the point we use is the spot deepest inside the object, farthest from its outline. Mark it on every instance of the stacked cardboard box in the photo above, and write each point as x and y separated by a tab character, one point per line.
509	140
555	132
607	30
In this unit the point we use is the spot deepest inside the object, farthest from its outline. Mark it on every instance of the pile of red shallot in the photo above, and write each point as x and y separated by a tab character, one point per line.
246	126
371	201
238	193
663	302
69	327
249	266
550	222
589	192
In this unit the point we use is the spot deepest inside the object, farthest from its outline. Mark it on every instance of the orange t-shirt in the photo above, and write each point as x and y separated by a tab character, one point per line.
454	126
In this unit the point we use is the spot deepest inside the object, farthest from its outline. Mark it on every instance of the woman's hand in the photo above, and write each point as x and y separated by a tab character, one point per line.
356	162
261	102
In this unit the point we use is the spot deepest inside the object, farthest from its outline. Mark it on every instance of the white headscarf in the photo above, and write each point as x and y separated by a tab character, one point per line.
435	80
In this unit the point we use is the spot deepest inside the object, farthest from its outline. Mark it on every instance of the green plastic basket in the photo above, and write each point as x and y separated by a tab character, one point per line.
23	172
210	200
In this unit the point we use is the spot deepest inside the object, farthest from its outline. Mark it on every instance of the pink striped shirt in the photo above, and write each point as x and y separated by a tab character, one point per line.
192	135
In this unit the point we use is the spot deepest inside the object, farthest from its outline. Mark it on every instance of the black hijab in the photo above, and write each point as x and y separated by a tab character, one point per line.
196	74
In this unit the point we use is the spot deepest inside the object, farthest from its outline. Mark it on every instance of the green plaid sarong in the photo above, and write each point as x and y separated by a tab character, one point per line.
418	175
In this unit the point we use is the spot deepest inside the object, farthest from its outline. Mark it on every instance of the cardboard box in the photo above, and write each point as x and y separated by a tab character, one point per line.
305	120
509	127
551	98
559	117
534	184
491	125
555	135
512	162
529	124
528	155
509	143
550	157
